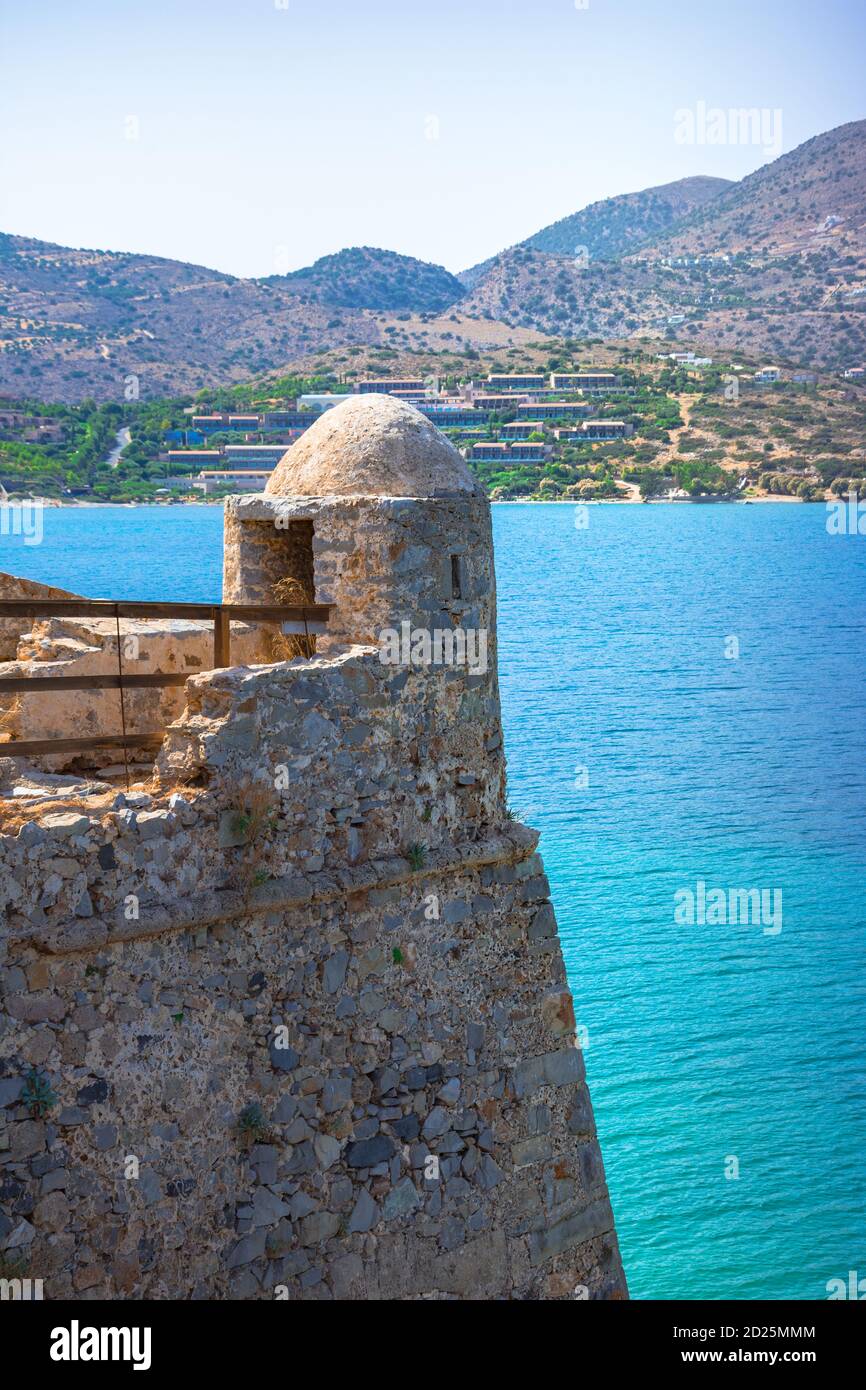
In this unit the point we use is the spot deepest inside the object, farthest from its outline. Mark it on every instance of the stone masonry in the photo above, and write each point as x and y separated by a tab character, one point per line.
292	1021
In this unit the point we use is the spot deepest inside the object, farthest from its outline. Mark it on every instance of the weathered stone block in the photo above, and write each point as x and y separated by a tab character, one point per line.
585	1224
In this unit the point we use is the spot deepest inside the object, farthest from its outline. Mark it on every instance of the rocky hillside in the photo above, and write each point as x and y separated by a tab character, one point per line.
614	227
559	294
78	323
774	266
363	277
809	200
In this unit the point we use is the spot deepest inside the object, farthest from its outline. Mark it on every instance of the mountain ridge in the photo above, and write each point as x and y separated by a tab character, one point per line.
370	277
773	264
605	226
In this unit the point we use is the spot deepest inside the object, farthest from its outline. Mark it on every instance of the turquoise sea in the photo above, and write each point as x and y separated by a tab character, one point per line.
651	760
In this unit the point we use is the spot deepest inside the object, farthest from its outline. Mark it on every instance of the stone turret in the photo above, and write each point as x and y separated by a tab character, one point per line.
336	1027
373	446
375	511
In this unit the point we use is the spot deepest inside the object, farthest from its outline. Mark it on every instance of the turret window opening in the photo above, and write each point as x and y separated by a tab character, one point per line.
456	577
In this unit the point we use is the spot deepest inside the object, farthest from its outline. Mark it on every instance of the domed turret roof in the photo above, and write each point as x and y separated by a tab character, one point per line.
371	446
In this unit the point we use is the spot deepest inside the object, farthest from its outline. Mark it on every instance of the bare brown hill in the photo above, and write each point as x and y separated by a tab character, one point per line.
773	266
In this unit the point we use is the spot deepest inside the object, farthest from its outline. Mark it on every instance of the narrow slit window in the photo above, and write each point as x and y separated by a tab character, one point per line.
456	577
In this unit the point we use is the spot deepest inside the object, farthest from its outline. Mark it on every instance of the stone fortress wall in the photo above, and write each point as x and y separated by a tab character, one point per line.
293	1022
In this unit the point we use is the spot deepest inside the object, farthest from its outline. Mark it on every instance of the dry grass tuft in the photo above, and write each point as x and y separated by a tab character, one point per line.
257	807
286	648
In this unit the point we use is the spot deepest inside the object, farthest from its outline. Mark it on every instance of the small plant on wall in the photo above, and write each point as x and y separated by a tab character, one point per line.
417	856
14	1264
252	1126
38	1095
248	822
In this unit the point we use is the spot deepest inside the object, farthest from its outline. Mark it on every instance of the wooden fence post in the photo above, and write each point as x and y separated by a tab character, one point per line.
221	638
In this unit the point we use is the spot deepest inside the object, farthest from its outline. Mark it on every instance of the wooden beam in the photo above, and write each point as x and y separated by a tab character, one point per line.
291	612
34	685
106	608
222	640
25	748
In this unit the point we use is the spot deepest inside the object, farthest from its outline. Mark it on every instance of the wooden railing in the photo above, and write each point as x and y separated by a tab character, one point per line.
309	619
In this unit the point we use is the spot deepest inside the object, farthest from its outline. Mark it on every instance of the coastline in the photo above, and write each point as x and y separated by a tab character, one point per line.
56	503
639	501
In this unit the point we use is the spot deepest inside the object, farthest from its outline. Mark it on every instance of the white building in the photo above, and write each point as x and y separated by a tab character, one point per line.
314	401
242	480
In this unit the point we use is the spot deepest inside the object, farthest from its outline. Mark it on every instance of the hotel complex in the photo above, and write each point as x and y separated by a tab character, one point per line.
509	418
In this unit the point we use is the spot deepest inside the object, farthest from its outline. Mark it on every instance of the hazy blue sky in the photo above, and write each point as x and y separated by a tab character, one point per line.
253	137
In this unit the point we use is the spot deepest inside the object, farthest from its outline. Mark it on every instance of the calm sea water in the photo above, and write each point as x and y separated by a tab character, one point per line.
651	760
